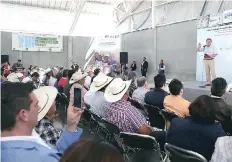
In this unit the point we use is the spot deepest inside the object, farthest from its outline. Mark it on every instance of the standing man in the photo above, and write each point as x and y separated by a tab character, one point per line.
144	67
133	66
161	67
210	52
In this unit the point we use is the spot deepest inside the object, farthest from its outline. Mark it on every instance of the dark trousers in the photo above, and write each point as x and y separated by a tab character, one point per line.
144	72
160	137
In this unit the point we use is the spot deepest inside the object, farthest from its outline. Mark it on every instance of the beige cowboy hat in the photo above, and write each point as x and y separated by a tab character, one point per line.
46	96
77	76
117	88
14	77
100	81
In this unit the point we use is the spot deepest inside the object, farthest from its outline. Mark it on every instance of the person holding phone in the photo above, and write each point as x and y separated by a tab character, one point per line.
95	96
45	128
77	81
17	141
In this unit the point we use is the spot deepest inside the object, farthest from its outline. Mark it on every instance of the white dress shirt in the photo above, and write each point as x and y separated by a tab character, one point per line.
87	81
223	150
97	102
139	94
209	50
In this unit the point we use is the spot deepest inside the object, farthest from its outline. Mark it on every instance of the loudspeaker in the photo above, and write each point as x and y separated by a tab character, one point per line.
124	57
4	58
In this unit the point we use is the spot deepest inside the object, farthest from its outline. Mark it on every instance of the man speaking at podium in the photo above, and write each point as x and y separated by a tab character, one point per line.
210	52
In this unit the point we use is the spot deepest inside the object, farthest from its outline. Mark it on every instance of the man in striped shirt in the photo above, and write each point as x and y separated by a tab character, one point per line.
121	112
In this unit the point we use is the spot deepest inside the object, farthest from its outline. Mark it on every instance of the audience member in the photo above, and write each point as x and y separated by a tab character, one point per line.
48	79
64	78
19	115
199	131
29	70
45	128
121	112
17	65
88	77
77	81
95	96
223	151
218	89
91	151
31	78
6	71
156	97
66	87
95	72
132	76
140	92
175	102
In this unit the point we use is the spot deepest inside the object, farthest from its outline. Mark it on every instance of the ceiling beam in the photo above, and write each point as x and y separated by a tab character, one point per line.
80	6
127	14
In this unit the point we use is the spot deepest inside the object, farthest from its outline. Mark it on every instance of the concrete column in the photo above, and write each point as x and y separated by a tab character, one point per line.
70	52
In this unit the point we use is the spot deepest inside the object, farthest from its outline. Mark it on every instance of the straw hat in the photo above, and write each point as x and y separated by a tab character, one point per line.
100	81
46	96
116	90
77	76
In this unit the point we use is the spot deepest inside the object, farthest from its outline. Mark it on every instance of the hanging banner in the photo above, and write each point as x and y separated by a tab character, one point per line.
37	42
215	19
227	16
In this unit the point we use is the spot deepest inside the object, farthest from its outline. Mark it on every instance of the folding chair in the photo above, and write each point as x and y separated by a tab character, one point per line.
155	118
177	154
62	106
138	106
139	142
168	116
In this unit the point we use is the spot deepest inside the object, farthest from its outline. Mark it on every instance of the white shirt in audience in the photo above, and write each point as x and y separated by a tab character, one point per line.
139	94
87	81
223	150
97	102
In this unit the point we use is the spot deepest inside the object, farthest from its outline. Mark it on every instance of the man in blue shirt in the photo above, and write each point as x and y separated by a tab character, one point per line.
20	109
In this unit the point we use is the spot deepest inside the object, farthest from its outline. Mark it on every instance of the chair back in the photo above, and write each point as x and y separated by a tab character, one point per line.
139	141
136	104
155	118
177	154
113	129
168	115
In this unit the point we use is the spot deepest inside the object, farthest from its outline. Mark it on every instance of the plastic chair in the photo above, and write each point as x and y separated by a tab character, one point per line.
168	116
155	118
177	154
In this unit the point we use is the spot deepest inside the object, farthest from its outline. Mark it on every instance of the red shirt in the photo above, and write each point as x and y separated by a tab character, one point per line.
6	69
62	81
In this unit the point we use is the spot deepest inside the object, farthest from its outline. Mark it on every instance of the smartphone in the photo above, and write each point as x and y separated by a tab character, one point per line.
77	98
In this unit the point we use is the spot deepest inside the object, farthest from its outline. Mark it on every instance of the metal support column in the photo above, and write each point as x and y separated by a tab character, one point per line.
153	13
70	52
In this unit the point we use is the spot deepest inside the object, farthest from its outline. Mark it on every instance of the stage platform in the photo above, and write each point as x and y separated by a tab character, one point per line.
192	90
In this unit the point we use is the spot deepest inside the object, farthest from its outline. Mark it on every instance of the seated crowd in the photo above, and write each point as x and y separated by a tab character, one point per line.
28	111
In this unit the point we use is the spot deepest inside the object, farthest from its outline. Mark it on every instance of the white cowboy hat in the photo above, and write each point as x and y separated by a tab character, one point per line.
14	77
77	76
46	96
100	81
117	88
47	71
